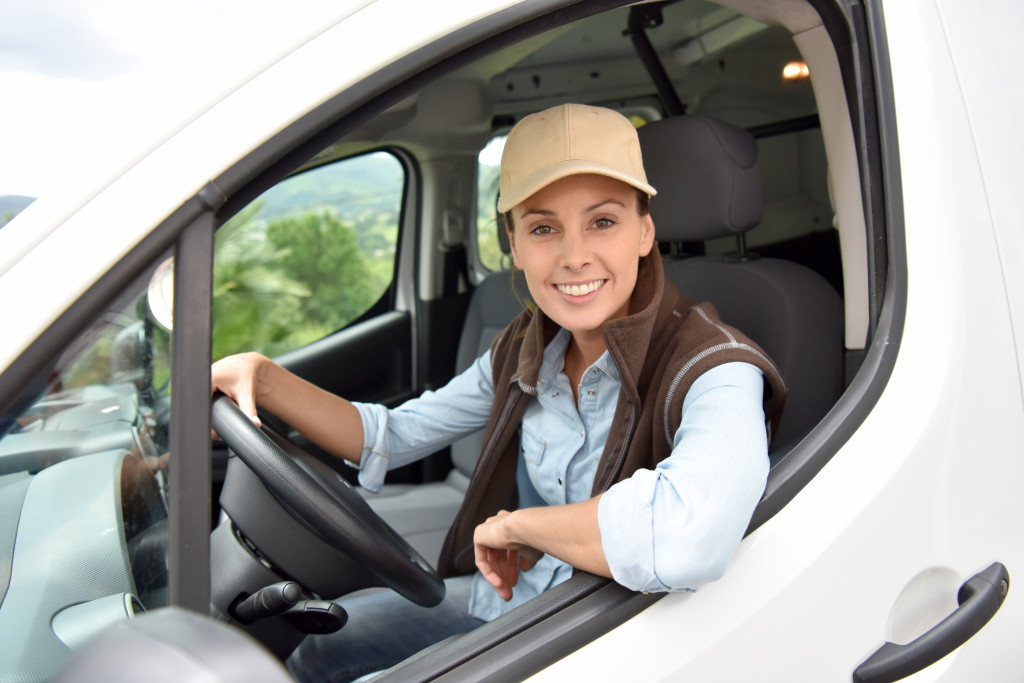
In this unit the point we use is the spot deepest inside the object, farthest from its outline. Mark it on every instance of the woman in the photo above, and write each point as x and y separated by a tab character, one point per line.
625	424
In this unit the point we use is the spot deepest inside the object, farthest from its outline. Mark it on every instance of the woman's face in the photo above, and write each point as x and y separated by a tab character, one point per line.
578	241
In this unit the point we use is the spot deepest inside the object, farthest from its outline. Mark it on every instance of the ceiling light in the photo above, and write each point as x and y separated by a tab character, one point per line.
795	71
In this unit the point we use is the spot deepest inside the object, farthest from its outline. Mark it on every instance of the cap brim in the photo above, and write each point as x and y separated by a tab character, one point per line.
541	179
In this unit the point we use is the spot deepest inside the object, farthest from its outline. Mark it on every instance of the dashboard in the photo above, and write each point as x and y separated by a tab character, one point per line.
83	523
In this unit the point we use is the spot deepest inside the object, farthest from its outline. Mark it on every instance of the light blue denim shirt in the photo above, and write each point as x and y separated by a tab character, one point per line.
672	528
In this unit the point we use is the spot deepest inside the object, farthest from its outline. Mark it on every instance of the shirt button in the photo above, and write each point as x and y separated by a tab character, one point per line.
559	481
591	392
554	394
540	381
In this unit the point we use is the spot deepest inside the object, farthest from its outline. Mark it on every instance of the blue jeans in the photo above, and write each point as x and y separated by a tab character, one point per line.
383	629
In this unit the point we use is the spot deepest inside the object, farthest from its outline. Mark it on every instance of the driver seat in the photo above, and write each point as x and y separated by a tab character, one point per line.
709	186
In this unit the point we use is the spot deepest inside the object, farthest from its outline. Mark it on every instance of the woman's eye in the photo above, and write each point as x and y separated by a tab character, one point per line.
604	223
542	230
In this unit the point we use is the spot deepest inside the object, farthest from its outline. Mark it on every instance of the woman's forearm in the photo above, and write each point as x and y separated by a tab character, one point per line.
512	541
569	532
327	420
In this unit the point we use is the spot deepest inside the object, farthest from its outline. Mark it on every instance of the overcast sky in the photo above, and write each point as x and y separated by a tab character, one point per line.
78	79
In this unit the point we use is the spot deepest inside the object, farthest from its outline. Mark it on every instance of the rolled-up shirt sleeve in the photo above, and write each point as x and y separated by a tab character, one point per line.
677	527
419	427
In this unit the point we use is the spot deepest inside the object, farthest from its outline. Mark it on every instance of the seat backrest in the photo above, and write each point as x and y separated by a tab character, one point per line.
495	302
709	186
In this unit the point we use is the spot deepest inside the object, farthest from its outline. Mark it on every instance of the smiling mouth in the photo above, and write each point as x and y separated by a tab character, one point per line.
581	290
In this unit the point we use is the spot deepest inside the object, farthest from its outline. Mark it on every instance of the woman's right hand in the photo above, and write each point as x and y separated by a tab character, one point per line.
237	377
324	418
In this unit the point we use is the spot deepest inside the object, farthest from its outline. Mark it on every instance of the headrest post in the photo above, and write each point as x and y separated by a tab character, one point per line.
741	255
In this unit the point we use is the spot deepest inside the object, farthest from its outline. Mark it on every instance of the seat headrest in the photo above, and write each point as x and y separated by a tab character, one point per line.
707	176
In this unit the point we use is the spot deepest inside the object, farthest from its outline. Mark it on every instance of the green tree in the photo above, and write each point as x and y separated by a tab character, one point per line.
320	251
255	303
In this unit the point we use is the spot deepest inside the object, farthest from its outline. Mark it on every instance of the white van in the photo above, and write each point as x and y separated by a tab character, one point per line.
335	210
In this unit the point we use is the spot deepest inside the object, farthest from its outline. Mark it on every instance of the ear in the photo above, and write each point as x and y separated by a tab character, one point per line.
646	235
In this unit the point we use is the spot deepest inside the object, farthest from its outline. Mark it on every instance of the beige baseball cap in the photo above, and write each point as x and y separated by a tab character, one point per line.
566	140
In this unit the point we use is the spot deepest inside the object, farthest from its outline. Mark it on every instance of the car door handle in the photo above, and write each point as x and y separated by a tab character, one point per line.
979	597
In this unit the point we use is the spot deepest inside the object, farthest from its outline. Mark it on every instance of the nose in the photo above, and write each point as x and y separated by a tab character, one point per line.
576	254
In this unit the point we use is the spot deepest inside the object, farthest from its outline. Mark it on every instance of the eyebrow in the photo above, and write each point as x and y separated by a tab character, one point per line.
594	207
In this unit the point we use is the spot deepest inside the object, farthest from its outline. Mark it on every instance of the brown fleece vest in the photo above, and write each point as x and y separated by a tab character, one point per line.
659	350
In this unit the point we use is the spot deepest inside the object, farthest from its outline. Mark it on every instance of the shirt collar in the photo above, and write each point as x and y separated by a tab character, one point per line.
554	360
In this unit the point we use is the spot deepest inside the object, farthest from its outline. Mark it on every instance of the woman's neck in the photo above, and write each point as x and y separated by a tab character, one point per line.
588	346
584	350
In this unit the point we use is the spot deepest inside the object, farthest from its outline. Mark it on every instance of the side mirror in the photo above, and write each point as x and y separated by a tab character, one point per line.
160	295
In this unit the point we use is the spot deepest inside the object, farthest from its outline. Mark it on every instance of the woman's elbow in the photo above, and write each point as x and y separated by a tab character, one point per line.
700	563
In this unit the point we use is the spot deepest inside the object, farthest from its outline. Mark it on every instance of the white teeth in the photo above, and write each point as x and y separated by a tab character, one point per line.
580	290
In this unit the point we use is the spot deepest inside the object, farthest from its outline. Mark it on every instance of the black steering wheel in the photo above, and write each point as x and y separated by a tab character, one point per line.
328	506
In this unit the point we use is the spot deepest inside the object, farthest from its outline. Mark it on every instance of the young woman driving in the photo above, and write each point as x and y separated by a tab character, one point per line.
625	424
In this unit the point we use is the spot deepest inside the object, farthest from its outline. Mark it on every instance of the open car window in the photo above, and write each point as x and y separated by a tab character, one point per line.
309	256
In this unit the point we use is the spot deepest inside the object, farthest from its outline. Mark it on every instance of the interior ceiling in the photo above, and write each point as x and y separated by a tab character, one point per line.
591	60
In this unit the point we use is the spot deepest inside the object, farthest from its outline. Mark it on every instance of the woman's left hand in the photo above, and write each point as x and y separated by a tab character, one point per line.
499	557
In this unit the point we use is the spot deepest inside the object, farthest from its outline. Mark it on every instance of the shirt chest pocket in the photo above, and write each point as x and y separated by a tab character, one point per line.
532	446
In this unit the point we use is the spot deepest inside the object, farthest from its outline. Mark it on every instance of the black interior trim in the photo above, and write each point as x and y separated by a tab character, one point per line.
386	338
642	17
189	481
795	125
